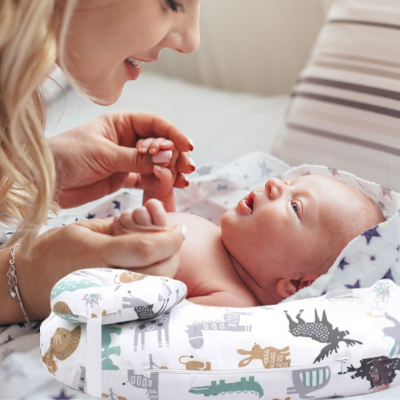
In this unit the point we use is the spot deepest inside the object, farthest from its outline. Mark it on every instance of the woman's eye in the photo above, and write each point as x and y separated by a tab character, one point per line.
295	208
175	6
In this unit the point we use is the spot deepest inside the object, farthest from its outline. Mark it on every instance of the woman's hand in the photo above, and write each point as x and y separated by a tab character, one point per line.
99	157
87	244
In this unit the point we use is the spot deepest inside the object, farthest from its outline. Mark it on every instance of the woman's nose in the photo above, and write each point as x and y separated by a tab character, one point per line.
275	188
185	37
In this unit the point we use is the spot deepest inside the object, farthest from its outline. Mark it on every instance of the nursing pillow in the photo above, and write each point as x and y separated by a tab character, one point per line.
115	337
119	335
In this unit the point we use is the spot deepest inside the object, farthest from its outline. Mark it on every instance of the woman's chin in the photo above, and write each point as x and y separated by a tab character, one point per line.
105	99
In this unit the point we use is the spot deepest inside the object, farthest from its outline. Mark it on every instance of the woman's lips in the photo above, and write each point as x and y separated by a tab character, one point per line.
132	70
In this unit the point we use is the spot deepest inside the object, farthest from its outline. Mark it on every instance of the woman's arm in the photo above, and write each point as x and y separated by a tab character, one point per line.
82	245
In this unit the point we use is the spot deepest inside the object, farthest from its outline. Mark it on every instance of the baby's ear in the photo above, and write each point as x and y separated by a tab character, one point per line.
287	287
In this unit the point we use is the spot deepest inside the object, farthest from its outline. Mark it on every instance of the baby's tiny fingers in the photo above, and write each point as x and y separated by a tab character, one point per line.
155	145
164	175
144	144
157	212
141	216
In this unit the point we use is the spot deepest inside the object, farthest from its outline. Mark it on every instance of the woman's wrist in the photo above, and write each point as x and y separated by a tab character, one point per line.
11	311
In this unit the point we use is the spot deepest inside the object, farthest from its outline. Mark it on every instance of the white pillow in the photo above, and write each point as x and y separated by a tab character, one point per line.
345	108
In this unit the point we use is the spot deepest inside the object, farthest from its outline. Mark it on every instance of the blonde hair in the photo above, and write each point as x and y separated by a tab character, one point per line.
28	50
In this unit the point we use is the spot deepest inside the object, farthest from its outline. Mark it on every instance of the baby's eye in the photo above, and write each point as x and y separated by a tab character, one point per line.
295	208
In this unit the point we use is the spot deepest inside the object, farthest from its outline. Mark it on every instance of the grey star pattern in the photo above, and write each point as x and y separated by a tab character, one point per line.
343	263
91	216
222	186
204	170
355	286
386	192
334	171
370	233
117	205
372	258
62	396
389	275
265	171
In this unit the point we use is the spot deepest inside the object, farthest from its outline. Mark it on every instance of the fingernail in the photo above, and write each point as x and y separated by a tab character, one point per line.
191	144
192	164
186	180
158	169
164	143
184	231
143	148
162	156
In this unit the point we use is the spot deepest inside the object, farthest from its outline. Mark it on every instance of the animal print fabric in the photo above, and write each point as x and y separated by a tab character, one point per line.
341	344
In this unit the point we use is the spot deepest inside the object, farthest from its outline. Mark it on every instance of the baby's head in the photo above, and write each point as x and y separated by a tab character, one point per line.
286	234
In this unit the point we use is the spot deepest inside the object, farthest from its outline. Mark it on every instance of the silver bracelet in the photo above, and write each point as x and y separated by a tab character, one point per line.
12	282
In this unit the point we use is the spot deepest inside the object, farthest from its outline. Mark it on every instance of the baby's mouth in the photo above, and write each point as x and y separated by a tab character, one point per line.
247	204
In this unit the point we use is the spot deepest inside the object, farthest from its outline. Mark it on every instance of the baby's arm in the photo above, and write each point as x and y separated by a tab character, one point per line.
158	185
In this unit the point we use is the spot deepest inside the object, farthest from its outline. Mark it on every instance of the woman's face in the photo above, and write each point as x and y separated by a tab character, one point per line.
106	38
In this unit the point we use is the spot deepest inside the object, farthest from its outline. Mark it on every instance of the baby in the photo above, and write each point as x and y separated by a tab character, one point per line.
277	240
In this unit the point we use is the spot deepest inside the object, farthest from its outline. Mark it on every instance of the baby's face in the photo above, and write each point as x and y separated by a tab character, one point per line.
289	228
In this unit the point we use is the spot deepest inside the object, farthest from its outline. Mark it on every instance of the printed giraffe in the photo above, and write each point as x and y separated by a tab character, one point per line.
231	323
159	325
270	356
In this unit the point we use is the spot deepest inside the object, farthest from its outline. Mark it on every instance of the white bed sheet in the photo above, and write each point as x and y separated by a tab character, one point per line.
223	126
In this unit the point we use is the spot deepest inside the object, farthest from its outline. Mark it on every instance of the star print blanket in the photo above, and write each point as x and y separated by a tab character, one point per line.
214	188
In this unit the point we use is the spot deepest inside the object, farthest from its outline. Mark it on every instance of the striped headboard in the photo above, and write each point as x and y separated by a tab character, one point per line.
345	107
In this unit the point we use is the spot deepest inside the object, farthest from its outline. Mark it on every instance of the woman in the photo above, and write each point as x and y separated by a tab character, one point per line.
100	45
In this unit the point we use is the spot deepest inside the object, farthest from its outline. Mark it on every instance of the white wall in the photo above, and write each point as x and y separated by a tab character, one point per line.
258	46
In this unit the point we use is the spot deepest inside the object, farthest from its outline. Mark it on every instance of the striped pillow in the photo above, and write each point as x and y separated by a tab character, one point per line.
345	107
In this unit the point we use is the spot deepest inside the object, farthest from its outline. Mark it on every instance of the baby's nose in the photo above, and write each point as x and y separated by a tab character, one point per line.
275	188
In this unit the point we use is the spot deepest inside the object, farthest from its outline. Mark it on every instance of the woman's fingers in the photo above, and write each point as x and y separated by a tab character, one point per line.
141	249
185	164
181	181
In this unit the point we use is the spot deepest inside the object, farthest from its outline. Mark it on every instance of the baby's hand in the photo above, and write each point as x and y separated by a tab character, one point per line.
159	184
150	217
